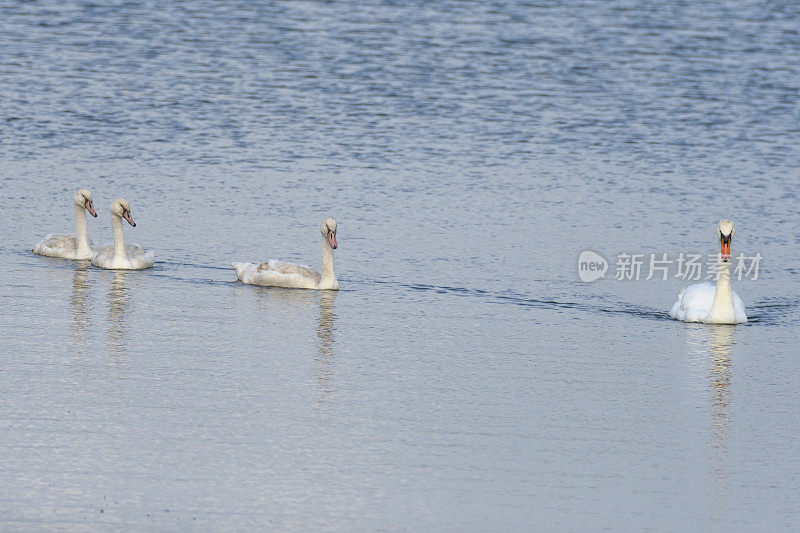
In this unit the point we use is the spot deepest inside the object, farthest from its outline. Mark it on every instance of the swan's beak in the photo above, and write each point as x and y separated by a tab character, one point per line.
332	239
89	207
725	248
127	216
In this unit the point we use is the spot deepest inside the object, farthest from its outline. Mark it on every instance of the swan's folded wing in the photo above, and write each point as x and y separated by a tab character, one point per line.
138	257
54	244
134	250
144	260
694	303
273	278
275	274
103	255
289	268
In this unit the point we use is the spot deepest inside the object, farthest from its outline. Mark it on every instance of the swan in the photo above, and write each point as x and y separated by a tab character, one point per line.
278	274
68	246
709	303
119	256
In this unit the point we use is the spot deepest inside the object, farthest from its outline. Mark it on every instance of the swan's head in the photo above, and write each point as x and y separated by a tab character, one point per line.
328	229
725	231
83	198
121	208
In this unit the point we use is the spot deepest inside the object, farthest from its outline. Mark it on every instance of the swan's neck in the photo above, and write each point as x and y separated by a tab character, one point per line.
722	308
81	234
119	238
328	279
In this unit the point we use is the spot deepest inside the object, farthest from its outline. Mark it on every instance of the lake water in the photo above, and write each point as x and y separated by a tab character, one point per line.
463	378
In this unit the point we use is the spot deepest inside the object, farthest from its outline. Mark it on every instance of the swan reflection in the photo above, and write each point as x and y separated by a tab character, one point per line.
325	336
79	301
713	345
118	298
294	309
720	374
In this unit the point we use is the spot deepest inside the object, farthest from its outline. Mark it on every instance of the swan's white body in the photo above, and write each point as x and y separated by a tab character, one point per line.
65	246
119	256
696	303
710	303
279	274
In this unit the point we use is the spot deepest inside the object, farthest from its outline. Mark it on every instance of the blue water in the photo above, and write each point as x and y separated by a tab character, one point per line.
463	378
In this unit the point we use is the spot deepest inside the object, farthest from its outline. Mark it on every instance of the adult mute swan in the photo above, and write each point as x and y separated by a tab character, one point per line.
709	303
67	246
277	274
119	256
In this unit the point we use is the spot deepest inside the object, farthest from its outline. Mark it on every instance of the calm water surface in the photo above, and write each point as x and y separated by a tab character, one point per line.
463	378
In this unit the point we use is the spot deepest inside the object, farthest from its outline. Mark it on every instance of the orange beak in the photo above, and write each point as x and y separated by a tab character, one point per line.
725	250
332	239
